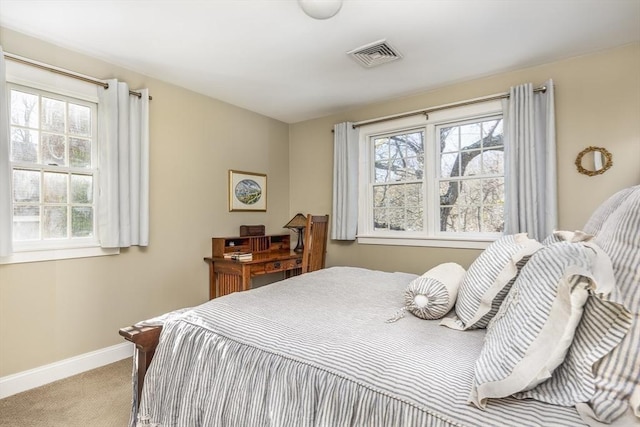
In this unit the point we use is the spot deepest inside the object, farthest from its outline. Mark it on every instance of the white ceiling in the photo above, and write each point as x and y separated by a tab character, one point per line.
269	57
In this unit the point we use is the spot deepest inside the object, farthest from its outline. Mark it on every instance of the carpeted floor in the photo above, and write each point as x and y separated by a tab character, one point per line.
97	398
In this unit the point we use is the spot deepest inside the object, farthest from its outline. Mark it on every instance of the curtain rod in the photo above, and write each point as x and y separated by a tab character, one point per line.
439	108
55	70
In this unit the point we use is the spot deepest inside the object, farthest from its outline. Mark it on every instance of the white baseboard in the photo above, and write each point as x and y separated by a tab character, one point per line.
26	380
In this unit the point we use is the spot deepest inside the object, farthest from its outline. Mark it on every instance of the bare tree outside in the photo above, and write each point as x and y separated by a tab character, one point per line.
471	179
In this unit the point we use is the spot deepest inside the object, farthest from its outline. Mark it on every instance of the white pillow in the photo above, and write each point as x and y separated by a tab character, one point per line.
489	279
433	294
530	335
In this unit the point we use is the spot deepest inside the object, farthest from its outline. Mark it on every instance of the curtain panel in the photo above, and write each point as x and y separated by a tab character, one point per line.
344	218
123	216
530	161
6	215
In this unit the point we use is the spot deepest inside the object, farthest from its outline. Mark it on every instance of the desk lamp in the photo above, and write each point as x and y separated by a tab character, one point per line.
297	224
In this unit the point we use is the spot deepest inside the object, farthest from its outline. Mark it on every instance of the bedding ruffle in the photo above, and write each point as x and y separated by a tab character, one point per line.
315	350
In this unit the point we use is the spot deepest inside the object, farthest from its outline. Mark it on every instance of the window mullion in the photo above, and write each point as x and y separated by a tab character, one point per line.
430	179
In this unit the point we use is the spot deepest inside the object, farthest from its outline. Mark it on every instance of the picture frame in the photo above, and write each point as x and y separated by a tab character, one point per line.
247	191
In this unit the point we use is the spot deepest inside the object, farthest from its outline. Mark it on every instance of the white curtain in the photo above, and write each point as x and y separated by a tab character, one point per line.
530	161
123	127
5	167
344	218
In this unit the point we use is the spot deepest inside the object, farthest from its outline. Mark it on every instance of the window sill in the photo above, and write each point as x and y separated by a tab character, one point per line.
57	254
435	242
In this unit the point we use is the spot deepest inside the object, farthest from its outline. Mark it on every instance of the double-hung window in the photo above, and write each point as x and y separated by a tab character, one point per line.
53	157
437	181
53	161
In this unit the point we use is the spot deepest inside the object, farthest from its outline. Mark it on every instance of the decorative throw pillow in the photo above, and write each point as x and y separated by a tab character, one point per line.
602	367
433	294
616	374
530	335
488	280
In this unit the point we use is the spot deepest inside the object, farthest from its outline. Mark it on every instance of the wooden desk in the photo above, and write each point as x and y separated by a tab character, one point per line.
227	276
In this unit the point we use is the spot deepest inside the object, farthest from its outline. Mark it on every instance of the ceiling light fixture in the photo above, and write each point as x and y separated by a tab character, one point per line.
320	9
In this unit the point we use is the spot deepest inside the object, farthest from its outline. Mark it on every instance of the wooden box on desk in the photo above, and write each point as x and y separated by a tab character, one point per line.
252	230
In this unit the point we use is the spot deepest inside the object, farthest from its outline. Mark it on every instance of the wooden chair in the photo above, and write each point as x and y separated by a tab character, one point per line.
315	243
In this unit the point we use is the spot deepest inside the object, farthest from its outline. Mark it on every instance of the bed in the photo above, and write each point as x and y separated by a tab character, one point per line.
327	348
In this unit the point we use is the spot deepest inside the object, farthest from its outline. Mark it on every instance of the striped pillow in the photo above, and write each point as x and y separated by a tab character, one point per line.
618	372
433	294
488	280
603	364
531	333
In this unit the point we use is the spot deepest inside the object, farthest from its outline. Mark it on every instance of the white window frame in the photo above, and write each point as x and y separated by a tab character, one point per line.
31	78
431	236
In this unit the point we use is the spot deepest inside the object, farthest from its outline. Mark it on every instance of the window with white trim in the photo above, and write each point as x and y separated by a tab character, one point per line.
54	166
433	182
53	161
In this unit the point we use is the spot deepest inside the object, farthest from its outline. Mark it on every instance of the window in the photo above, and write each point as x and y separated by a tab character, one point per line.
53	168
434	182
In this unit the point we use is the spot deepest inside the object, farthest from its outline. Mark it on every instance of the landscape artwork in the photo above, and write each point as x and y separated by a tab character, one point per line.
247	191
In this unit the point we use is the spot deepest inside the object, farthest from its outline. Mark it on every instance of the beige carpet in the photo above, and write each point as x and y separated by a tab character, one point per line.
97	398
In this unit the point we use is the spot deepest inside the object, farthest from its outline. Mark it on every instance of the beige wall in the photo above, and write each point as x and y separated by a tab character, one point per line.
50	311
597	103
54	310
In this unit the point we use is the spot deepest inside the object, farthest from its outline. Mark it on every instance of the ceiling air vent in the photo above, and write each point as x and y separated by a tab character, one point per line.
375	53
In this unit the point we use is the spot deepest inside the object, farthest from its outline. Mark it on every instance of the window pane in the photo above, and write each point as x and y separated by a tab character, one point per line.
449	218
395	196
79	120
81	189
492	128
414	219
24	109
449	139
53	149
493	162
55	222
26	186
470	136
472	162
81	221
470	192
379	195
80	152
448	189
493	219
493	191
469	219
52	115
380	221
382	171
55	187
414	194
24	145
381	146
398	170
396	219
449	165
26	223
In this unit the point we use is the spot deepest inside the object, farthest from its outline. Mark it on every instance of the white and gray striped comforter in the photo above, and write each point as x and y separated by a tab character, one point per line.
315	350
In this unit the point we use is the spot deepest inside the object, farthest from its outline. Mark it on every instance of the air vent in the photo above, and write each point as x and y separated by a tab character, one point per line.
374	54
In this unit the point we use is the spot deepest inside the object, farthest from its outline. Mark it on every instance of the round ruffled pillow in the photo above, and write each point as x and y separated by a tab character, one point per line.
433	294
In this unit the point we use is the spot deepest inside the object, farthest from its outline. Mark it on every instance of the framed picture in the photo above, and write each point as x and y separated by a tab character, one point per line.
247	191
